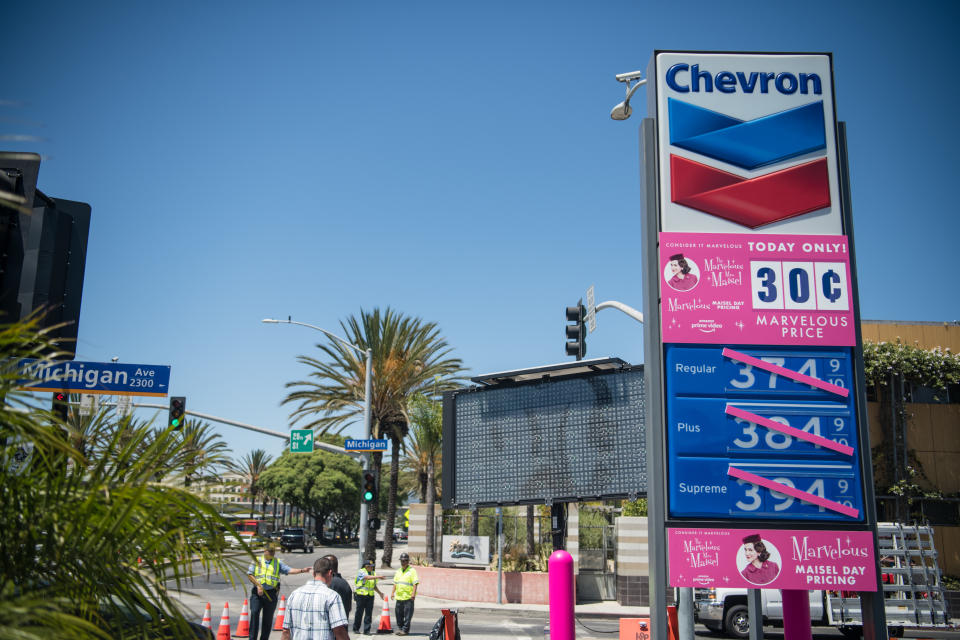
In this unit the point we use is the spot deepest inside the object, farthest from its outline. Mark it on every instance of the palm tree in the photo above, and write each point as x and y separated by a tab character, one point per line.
252	467
77	521
414	470
408	354
426	418
203	453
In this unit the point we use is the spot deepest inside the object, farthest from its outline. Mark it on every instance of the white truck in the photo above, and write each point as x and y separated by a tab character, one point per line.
913	594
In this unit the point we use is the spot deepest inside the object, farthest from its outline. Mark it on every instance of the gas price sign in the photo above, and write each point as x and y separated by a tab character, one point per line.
766	433
756	293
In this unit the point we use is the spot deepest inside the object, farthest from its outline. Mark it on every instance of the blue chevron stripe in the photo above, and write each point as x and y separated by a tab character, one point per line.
749	144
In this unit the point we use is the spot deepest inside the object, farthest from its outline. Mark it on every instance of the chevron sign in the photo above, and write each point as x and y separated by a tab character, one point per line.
746	142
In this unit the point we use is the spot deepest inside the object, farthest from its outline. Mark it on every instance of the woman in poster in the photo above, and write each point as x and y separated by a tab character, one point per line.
760	569
682	279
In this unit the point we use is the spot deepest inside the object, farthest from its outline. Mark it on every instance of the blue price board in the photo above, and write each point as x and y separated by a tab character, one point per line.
705	489
762	433
705	371
724	428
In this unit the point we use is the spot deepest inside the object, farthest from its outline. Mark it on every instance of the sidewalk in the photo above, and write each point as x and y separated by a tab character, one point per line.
606	609
193	603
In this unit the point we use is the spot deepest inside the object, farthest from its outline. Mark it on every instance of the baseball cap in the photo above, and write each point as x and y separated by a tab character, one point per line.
368	563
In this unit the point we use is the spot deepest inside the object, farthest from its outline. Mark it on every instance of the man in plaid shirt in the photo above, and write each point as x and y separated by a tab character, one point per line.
315	611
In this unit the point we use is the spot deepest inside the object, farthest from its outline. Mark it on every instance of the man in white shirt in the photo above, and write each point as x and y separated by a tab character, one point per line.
315	611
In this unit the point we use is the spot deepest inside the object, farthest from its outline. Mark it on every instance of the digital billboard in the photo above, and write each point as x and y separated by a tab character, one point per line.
555	439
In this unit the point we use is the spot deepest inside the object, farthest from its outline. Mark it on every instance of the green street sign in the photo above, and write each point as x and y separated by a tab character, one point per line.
301	441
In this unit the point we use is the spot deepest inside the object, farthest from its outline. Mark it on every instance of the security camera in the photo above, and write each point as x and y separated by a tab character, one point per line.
629	77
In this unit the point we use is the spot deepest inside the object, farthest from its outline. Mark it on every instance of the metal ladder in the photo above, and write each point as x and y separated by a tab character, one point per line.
915	597
919	598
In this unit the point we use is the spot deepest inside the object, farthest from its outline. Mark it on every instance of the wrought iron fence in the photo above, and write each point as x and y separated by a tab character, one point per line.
515	531
597	549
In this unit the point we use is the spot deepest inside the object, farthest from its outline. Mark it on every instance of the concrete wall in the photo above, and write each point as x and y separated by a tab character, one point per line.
633	561
479	585
573	535
417	534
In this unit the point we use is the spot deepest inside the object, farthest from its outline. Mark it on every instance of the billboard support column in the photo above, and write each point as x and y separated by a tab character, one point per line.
653	414
872	605
755	612
558	520
685	614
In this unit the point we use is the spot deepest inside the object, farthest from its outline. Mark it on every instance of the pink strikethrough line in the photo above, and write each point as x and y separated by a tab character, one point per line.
790	491
790	431
787	373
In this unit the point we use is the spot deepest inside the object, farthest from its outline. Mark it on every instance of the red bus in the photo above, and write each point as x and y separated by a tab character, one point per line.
249	527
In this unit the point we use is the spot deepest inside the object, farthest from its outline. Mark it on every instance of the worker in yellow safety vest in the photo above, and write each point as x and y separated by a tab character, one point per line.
405	582
265	576
364	586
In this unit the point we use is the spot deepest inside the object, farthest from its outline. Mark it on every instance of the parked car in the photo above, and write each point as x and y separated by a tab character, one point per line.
399	535
296	538
201	539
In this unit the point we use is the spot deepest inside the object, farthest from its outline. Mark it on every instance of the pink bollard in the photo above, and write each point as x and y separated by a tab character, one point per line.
796	614
562	597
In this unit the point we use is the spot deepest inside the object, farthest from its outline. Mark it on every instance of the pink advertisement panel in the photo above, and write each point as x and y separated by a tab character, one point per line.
772	559
732	288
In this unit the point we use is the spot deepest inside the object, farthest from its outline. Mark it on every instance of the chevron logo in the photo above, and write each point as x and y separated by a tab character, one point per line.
750	144
751	202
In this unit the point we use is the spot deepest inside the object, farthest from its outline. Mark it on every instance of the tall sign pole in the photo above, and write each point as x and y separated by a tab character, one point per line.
753	349
367	393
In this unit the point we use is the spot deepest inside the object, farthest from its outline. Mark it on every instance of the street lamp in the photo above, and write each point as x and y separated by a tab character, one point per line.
367	392
658	564
622	111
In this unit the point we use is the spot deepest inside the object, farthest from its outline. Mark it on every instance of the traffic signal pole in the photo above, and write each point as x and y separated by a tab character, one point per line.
332	448
368	387
365	460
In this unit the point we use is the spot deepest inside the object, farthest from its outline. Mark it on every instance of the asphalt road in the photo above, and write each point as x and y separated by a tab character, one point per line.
474	624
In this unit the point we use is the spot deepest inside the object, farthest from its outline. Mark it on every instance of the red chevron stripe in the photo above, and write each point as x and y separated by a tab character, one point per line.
753	202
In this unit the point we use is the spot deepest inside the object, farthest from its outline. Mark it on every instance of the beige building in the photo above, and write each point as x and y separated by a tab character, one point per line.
225	489
932	433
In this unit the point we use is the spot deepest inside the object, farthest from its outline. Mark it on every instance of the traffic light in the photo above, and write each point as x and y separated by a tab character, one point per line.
576	331
373	524
178	409
368	490
60	406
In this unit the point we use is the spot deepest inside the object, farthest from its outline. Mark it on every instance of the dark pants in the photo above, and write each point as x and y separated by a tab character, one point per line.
364	612
265	604
404	610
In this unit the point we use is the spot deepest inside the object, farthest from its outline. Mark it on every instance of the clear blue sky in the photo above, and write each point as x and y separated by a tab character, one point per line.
455	161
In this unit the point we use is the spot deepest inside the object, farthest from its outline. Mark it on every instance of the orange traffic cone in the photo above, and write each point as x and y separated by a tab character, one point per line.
385	618
223	631
243	627
206	622
278	625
